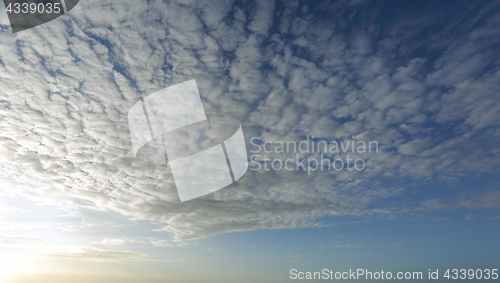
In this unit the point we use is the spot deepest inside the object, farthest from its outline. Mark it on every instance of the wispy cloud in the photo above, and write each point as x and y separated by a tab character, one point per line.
398	244
462	233
162	243
93	254
113	242
12	240
418	226
375	255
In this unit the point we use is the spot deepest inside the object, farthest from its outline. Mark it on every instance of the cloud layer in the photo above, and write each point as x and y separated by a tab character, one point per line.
425	89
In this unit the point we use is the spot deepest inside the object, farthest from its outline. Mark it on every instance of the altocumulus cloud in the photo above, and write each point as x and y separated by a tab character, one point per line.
283	69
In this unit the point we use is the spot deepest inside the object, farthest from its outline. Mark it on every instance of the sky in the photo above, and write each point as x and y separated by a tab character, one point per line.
419	78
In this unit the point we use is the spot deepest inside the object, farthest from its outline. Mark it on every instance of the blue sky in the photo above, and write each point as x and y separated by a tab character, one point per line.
418	77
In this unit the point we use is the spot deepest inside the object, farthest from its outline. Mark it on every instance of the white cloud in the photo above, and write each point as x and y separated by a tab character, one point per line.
93	254
67	86
488	200
415	146
398	244
113	242
20	241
